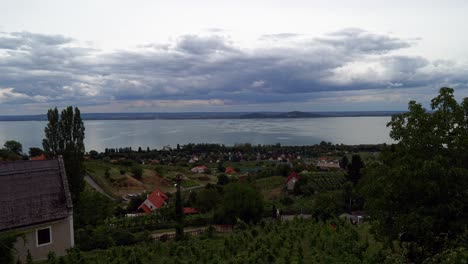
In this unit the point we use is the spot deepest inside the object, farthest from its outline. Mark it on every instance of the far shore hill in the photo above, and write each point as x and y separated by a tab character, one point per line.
206	115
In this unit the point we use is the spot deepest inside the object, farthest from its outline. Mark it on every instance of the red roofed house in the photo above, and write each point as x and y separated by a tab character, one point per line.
291	181
230	170
190	210
154	201
200	169
40	157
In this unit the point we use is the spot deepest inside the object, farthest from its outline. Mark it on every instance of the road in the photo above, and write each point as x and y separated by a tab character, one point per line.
96	186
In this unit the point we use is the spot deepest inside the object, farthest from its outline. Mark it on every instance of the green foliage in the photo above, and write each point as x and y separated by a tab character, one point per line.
223	179
283	170
51	257
314	183
92	209
137	171
14	146
179	213
298	241
93	154
64	135
6	154
418	192
34	152
240	200
7	241
354	169
135	202
29	258
207	199
327	205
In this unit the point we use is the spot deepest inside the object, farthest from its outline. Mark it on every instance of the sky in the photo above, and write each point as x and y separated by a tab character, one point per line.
204	56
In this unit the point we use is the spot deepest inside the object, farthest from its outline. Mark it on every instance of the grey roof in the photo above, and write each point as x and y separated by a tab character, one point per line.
33	192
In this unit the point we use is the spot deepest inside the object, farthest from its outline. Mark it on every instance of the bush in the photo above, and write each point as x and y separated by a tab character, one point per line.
223	179
137	172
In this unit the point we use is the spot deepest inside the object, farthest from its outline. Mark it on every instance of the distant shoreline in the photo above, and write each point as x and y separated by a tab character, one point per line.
207	115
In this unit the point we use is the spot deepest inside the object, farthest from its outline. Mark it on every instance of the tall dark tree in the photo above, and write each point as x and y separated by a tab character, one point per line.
418	191
344	162
65	136
354	168
179	212
52	133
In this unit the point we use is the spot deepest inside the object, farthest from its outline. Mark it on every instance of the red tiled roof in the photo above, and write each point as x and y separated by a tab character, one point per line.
190	210
40	157
229	170
293	175
157	198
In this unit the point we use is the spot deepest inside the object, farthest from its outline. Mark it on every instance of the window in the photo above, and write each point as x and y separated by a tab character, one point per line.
44	236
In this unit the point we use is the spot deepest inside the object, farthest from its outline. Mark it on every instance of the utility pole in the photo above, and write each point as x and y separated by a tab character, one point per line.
179	214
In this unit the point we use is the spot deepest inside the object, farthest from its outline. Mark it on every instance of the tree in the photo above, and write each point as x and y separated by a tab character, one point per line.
137	171
64	135
419	189
92	209
354	169
179	212
344	162
207	199
93	154
34	152
14	146
223	179
243	201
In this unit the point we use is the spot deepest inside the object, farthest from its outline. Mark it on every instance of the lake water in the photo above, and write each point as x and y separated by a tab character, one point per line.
101	134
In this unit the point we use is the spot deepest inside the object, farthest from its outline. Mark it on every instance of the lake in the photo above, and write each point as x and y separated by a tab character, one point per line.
101	134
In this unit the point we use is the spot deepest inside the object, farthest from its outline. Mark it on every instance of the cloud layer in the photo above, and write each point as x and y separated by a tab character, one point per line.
351	66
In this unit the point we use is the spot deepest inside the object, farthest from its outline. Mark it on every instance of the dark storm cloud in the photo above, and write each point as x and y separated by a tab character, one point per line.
54	69
357	41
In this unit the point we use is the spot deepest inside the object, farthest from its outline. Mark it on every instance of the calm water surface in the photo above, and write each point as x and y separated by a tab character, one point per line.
101	134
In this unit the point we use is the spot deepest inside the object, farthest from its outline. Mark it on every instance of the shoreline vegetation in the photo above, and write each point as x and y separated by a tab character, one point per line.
207	115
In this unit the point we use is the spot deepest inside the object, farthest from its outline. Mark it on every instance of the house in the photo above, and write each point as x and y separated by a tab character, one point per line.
230	170
190	211
199	169
35	203
40	157
291	181
193	159
154	201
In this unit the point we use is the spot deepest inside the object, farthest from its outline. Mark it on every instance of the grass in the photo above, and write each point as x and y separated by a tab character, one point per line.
271	182
154	176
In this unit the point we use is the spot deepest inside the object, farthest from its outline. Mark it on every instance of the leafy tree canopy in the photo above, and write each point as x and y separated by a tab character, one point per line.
419	191
243	201
14	146
64	135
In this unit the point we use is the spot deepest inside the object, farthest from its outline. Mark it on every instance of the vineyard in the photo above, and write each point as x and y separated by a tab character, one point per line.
317	182
298	241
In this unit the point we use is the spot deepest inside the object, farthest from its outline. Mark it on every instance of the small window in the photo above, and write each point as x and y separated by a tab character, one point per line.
44	236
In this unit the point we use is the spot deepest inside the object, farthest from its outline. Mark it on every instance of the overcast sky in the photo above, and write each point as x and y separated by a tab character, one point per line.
174	56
